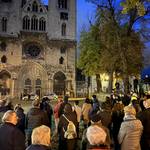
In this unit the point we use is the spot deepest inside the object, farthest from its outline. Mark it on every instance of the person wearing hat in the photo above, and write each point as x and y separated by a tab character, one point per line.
145	119
130	131
95	120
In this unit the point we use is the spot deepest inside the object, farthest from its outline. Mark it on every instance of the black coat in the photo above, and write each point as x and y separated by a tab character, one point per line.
145	119
36	117
11	138
38	147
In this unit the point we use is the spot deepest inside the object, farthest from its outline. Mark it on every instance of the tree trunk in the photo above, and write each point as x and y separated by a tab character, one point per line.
99	84
110	86
126	84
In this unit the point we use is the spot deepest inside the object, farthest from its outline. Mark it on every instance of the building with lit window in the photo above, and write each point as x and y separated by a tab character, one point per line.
37	47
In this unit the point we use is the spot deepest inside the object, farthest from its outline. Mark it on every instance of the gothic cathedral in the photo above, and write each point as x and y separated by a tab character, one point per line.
37	47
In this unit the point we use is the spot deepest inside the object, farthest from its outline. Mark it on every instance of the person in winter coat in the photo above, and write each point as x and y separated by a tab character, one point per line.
130	131
64	143
86	107
40	138
11	138
117	119
78	111
47	108
21	117
144	116
35	117
56	109
62	106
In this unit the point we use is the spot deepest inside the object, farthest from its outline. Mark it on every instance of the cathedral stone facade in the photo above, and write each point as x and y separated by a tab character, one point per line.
37	47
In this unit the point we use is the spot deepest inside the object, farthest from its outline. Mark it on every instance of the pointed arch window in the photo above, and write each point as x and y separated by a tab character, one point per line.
62	4
4	24
26	23
38	82
28	82
42	24
4	59
28	9
34	23
63	29
61	60
35	7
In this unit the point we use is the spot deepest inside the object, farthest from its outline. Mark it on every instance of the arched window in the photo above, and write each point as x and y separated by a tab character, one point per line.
23	3
41	10
28	9
63	29
4	24
27	82
4	59
62	4
26	23
3	46
38	82
42	24
63	50
35	6
34	23
61	60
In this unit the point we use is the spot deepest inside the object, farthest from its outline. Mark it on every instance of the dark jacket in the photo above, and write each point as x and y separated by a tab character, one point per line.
38	147
145	119
66	144
21	120
11	138
36	117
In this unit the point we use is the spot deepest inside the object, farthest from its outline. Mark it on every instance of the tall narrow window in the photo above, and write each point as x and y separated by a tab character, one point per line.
26	23
62	4
4	24
35	7
34	23
61	60
63	29
42	24
4	59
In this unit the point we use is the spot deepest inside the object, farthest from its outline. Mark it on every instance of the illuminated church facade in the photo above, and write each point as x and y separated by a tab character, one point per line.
37	47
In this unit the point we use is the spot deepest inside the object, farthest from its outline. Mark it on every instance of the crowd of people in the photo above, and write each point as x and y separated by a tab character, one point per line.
118	123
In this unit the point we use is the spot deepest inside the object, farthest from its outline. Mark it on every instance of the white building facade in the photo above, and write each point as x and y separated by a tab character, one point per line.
37	47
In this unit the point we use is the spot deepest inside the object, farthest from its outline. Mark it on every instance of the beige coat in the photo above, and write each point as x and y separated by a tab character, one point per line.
130	134
85	111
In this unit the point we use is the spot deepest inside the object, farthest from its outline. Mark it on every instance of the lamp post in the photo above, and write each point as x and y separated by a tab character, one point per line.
146	82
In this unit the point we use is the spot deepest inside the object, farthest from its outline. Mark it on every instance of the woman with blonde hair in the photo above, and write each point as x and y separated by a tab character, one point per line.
41	137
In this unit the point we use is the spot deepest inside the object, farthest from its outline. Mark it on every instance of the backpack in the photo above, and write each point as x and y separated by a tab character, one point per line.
70	133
